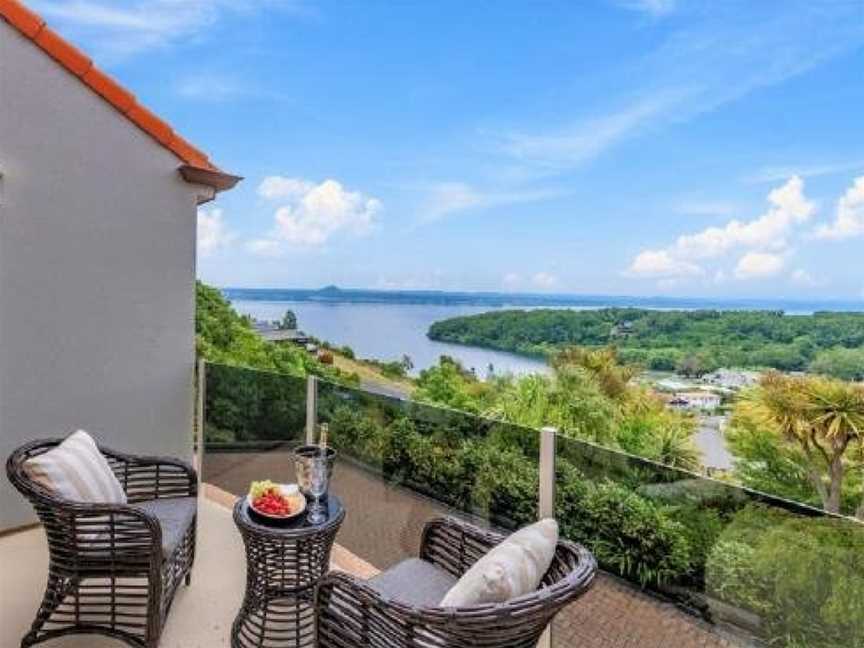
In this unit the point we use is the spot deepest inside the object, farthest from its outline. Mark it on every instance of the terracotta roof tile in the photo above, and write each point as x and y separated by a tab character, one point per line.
63	52
110	90
77	63
185	151
151	124
20	17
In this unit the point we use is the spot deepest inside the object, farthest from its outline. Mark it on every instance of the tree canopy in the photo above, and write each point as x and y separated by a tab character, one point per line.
589	396
693	342
223	336
802	437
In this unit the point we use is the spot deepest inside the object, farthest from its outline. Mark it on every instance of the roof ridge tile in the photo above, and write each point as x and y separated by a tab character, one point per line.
109	89
63	52
149	122
27	22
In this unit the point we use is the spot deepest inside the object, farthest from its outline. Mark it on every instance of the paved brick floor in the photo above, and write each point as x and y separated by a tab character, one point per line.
383	526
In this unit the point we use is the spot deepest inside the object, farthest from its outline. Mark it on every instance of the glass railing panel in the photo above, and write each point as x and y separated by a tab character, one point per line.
402	463
252	421
746	565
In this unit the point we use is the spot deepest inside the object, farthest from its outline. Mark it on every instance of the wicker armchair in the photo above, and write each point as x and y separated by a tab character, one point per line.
399	608
113	569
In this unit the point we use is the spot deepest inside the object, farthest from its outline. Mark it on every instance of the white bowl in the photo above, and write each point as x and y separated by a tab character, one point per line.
292	492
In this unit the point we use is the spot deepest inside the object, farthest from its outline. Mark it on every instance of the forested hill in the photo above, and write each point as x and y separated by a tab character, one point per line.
704	339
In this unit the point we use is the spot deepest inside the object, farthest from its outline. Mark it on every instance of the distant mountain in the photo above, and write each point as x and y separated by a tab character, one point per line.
335	294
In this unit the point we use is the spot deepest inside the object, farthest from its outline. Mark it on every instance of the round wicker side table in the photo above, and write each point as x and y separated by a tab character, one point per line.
283	566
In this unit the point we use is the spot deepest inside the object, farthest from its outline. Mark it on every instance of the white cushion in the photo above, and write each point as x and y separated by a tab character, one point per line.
76	470
513	568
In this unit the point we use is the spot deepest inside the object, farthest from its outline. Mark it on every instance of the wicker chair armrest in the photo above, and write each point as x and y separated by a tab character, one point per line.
145	477
455	545
346	603
122	533
572	571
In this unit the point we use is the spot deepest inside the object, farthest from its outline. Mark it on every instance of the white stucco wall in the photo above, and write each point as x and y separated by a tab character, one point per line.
97	255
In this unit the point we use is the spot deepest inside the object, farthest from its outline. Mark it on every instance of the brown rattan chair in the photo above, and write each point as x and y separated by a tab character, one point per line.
113	569
399	608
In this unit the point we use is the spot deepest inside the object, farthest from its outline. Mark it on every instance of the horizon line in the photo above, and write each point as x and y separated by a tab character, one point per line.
547	295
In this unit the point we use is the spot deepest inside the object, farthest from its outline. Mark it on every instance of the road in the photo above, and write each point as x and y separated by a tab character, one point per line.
711	442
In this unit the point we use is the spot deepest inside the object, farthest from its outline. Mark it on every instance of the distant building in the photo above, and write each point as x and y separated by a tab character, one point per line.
695	400
672	385
622	329
732	378
271	332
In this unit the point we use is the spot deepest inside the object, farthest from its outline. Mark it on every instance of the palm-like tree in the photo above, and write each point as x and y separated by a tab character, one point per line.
612	377
823	417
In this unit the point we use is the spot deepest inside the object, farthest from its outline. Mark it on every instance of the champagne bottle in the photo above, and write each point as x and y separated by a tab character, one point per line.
322	438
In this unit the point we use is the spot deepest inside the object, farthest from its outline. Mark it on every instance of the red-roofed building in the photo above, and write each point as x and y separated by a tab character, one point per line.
98	208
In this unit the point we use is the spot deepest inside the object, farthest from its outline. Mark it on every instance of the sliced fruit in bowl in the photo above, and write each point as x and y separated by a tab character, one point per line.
275	501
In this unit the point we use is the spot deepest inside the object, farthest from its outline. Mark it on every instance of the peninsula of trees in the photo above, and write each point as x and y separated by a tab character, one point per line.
692	342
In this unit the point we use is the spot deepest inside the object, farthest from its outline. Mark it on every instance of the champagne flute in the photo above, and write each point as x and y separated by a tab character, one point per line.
317	487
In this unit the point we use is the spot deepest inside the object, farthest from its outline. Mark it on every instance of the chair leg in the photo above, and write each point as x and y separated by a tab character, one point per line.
188	578
55	591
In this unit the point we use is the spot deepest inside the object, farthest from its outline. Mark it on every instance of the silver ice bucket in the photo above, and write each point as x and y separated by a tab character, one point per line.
303	456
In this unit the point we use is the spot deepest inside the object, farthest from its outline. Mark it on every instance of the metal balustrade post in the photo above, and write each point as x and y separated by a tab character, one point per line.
311	408
546	505
546	496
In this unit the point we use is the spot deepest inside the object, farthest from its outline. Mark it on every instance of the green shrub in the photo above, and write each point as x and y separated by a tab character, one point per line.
357	435
701	527
628	534
213	434
803	576
505	483
486	475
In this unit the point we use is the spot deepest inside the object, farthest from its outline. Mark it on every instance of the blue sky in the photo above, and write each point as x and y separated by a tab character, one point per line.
636	147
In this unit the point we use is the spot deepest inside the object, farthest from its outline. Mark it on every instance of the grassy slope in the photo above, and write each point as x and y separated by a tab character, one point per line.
372	376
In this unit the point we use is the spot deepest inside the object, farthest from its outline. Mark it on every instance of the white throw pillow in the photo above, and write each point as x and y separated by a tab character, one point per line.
513	568
76	470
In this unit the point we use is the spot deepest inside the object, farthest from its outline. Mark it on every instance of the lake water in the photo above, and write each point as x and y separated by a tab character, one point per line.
386	331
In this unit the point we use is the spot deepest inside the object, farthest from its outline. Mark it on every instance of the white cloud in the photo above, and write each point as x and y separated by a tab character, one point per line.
446	198
778	173
117	28
512	280
704	208
789	207
763	239
450	197
668	284
685	257
660	264
544	280
849	219
213	234
209	88
759	265
541	280
264	247
653	7
434	280
311	214
694	71
804	278
588	138
274	187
